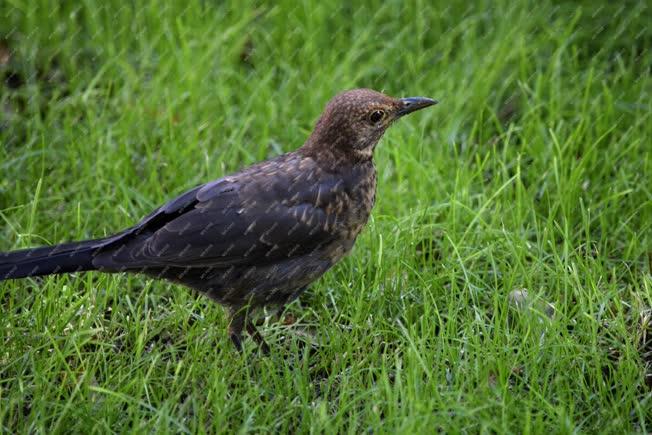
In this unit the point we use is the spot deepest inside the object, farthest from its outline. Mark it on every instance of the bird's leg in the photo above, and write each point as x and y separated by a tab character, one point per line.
235	328
257	336
240	321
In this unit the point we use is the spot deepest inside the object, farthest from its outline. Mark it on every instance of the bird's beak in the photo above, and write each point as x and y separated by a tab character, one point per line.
412	104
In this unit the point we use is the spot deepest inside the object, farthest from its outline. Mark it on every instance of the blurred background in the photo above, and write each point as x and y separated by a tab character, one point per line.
528	186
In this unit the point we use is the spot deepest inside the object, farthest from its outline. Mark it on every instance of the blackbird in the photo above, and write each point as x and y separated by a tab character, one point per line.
257	237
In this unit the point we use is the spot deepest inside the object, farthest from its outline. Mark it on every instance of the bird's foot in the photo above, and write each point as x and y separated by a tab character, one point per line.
258	337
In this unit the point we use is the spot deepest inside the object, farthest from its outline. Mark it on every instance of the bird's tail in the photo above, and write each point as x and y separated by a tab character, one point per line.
48	260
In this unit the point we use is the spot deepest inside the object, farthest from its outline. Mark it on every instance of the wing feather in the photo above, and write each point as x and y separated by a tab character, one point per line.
259	216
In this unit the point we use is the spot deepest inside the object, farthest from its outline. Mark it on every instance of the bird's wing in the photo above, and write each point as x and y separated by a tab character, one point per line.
270	212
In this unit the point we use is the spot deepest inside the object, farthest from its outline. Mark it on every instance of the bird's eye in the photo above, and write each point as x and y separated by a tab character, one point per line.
376	116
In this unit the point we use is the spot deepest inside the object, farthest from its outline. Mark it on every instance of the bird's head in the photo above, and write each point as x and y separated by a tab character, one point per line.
354	121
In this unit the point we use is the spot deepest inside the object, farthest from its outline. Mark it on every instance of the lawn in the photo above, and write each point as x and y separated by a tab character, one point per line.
502	285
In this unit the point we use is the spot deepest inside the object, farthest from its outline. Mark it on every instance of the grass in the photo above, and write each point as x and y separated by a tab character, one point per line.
534	172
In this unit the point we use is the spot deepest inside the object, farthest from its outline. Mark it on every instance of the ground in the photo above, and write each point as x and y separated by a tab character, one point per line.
503	283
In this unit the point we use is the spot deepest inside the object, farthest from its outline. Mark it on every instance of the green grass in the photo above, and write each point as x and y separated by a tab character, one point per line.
535	172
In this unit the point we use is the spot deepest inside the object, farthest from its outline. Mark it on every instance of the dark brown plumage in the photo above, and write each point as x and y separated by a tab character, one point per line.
259	236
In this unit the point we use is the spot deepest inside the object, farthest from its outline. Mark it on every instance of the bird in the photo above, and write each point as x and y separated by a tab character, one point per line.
258	237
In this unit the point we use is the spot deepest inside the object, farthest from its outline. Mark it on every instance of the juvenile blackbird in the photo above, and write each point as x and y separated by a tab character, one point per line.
257	237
